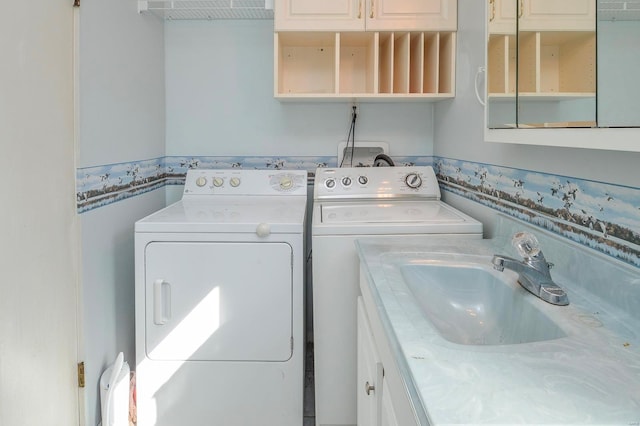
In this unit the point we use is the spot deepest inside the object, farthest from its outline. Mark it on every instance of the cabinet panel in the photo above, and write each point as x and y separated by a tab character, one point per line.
502	16
410	15
387	414
554	15
314	15
371	15
369	371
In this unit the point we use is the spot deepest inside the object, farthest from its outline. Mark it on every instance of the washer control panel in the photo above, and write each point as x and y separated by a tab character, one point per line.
376	182
245	182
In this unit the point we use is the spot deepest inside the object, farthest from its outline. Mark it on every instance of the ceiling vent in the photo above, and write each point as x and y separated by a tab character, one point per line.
208	10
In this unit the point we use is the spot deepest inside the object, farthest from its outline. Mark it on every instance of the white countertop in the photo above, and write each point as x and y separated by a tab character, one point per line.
592	376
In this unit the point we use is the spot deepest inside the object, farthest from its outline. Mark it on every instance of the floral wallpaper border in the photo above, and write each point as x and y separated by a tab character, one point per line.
602	216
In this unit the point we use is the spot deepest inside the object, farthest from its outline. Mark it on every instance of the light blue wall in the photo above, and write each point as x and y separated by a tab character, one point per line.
219	77
121	97
618	71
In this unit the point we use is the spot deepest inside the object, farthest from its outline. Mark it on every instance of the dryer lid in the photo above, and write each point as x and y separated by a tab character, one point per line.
284	214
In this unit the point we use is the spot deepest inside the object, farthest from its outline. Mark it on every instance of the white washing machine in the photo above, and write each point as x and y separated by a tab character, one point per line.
351	203
220	302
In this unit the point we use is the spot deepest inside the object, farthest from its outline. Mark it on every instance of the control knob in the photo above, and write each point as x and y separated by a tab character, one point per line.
330	183
234	182
201	181
286	182
263	230
413	180
217	182
362	180
346	181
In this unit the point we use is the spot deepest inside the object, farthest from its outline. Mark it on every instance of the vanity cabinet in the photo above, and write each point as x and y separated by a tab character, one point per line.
369	15
365	49
374	399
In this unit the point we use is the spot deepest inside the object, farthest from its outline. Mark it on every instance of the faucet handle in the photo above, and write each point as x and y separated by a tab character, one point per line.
526	244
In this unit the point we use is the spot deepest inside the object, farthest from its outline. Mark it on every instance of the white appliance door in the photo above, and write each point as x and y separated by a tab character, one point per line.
218	301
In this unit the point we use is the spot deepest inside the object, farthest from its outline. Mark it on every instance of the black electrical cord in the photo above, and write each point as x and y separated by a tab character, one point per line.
351	136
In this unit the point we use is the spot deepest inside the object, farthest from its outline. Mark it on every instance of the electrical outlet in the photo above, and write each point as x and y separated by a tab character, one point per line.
356	106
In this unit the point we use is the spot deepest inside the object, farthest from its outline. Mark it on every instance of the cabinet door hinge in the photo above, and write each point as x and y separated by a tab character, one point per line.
81	374
76	3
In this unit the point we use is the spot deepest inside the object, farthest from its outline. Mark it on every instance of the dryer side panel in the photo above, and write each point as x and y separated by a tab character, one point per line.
218	301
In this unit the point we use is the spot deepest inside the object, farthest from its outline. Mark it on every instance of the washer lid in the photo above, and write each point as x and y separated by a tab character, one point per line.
405	217
229	214
390	212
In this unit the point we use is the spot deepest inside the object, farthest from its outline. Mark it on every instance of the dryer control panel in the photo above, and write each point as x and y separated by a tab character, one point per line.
376	182
199	182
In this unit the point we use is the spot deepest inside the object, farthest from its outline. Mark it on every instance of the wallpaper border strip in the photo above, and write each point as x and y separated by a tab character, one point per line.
603	216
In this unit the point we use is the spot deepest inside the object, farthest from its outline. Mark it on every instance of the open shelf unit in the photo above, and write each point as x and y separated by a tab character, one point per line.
364	65
551	65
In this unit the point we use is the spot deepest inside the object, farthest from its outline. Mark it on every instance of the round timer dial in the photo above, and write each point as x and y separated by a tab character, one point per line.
413	180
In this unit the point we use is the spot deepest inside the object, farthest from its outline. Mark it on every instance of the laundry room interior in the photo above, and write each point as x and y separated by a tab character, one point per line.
158	97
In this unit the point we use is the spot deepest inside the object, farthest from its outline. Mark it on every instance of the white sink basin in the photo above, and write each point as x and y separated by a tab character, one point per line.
472	304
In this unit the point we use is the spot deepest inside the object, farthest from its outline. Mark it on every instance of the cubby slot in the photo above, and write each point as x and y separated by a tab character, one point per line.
306	62
567	62
416	63
431	58
501	64
385	66
401	63
446	63
558	63
528	62
357	62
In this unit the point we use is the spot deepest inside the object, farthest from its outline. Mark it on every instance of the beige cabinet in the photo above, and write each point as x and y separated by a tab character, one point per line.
361	15
502	16
365	49
364	65
553	54
554	15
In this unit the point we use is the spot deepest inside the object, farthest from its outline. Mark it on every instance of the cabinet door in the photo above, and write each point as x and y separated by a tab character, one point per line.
387	416
410	15
502	16
324	15
554	15
369	371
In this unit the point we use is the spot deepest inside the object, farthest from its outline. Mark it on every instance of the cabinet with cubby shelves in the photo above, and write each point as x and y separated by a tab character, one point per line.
551	65
418	65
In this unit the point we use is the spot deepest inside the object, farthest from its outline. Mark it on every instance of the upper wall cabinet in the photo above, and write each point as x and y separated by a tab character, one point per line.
369	15
563	73
365	49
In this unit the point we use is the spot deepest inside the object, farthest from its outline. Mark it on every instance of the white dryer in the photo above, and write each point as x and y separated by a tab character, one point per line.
351	203
220	302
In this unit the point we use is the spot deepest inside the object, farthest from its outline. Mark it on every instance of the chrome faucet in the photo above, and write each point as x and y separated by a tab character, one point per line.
533	270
